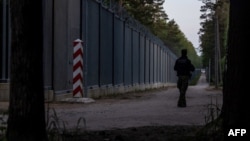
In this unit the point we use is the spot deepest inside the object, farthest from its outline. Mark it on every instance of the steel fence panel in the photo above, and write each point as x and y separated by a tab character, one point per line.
147	61
151	62
160	64
61	48
128	56
48	45
106	47
167	67
118	51
135	57
155	62
142	59
5	41
93	41
164	69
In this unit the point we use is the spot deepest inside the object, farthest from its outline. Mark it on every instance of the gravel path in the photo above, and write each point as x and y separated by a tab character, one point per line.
152	108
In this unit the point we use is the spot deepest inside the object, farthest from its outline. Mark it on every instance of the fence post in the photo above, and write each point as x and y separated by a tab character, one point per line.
78	68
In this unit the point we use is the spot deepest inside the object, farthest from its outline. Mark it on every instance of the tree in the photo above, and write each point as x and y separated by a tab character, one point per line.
147	12
213	13
235	110
26	121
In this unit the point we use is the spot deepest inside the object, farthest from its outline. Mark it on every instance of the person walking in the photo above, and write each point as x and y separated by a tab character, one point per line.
184	69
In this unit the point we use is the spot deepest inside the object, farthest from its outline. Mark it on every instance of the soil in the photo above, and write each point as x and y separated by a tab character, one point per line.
146	116
140	116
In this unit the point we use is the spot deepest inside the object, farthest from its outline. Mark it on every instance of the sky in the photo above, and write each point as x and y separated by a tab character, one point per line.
186	14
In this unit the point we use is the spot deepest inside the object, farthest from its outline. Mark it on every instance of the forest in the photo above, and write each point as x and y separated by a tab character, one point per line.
27	109
151	14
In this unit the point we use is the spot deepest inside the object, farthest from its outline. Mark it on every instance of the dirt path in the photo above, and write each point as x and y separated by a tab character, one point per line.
153	108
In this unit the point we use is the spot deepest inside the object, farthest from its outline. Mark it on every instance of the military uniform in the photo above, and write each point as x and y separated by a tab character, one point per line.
184	67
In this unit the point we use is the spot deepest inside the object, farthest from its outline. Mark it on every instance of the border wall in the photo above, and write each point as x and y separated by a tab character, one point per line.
120	54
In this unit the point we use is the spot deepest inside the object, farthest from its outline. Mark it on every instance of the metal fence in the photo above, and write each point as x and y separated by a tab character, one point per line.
118	50
4	42
121	51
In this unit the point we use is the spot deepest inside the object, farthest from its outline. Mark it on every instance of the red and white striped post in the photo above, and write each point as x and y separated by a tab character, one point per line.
78	68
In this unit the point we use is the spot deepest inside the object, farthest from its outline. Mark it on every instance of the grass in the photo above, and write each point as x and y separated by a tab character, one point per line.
57	128
212	131
3	124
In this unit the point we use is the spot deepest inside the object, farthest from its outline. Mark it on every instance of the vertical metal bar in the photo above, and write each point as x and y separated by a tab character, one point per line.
53	50
9	39
99	44
84	30
113	48
4	41
81	17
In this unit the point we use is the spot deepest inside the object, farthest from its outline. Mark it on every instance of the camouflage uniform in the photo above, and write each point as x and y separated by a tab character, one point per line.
184	67
182	85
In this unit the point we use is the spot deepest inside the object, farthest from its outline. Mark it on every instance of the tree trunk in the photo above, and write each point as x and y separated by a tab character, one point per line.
235	111
26	120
